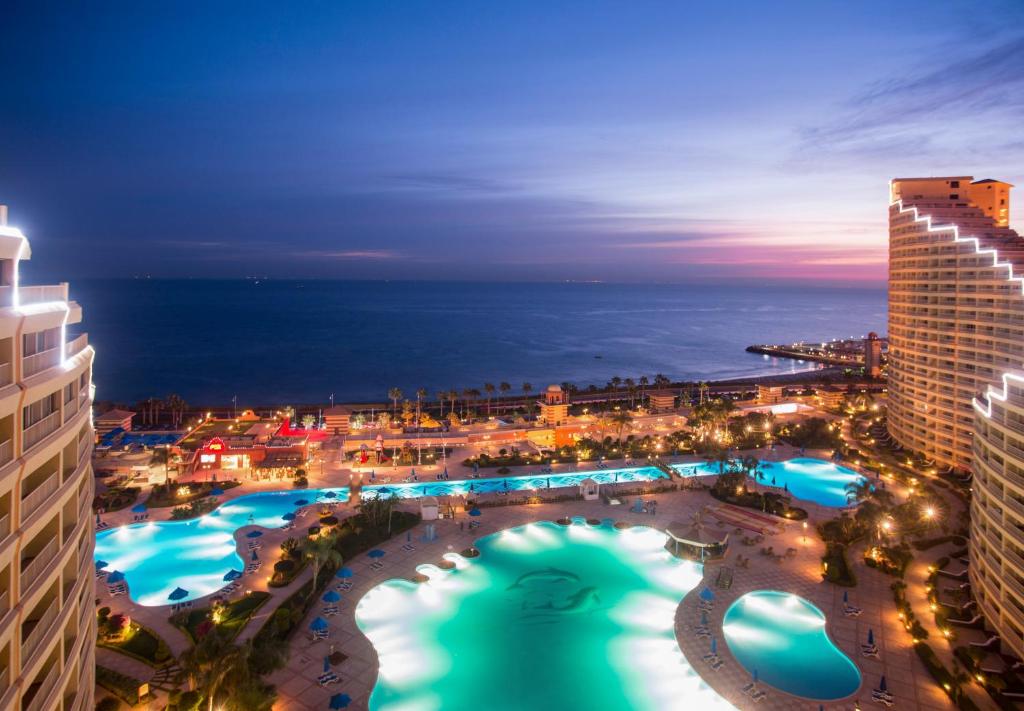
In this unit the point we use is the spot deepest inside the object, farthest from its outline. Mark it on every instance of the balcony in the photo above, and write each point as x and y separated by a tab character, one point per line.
44	689
5	606
37	432
76	346
38	634
38	362
31	503
42	294
6	374
6	451
37	564
70	409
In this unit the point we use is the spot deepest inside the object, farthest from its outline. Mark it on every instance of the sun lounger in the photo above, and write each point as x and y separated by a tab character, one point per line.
758	695
343	585
330	610
882	697
869	650
377	565
748	688
851	611
408	547
321	634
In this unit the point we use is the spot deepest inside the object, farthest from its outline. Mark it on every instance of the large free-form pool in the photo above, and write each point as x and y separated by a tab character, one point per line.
806	478
782	636
159	556
547	617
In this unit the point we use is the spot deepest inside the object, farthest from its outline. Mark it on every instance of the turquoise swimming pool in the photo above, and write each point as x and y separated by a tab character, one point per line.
159	556
547	617
782	636
806	478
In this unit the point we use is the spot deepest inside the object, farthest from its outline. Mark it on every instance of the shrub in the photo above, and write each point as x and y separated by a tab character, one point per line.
835	568
108	703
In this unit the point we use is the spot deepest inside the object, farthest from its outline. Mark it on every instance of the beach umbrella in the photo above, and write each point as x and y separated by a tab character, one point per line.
301	502
882	686
138	508
446	472
98	519
714	646
773	481
330	495
217	492
327	664
115	577
343	573
232	575
412	472
331	596
871	636
373	475
785	487
706	595
318	624
254	534
376	553
101	564
178	594
340	701
255	556
846	596
505	484
704	618
474	511
289	516
471	488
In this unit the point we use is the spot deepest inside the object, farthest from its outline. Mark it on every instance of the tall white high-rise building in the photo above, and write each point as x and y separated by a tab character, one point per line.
47	616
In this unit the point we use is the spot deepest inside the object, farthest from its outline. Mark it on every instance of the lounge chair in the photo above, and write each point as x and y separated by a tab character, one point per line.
321	634
869	650
377	565
758	695
408	547
328	678
882	697
330	610
851	611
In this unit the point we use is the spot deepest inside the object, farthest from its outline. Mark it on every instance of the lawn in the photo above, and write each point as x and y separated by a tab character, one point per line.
162	496
142	644
234	617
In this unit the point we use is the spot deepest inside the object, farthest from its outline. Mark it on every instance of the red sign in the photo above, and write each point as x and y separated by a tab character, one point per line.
216	445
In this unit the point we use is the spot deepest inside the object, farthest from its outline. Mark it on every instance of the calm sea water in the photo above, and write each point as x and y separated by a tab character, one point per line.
277	342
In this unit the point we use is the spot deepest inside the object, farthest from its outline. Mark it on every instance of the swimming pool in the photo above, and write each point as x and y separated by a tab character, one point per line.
547	617
159	556
806	478
783	637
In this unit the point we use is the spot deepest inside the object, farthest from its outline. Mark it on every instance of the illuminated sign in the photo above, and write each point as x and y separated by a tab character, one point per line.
216	445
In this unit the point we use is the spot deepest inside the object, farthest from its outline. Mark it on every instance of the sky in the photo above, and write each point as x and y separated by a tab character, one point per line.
613	141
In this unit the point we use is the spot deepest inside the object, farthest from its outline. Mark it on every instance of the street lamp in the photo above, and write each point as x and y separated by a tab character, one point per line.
805	533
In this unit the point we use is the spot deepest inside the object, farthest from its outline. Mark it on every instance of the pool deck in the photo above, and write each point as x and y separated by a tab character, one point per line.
297	682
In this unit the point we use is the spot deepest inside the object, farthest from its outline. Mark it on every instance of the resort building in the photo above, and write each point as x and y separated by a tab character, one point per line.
554	408
47	615
997	511
956	310
872	355
113	420
338	419
661	400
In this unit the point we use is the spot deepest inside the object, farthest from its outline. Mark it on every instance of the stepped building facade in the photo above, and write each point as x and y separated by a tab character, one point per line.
47	615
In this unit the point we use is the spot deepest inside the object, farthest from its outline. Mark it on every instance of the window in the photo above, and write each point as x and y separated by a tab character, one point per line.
954	196
954	183
39	410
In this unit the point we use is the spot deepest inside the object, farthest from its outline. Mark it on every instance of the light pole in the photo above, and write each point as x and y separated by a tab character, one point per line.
805	533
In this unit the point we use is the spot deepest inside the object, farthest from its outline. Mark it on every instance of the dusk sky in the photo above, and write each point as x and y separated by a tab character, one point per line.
518	141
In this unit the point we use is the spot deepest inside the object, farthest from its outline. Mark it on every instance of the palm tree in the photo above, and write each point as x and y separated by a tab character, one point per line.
621	419
442	395
858	490
467	393
662	381
527	389
453	395
177	406
504	388
395	395
602	423
320	551
631	389
489	389
616	382
644	382
207	664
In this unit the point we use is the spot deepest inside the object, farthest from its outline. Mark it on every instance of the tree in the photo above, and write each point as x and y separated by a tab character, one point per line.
378	510
644	382
209	662
320	551
395	394
620	419
527	389
442	395
603	423
489	389
308	421
504	388
176	405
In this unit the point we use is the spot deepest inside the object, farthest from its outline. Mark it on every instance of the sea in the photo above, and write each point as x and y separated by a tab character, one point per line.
277	342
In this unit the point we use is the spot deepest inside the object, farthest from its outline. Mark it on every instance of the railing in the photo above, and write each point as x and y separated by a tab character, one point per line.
36	704
35	566
5	603
42	294
6	374
6	451
5	526
5	681
31	502
39	633
76	346
35	433
70	409
38	362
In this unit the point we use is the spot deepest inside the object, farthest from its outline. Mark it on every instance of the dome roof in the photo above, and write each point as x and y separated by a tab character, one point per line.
554	388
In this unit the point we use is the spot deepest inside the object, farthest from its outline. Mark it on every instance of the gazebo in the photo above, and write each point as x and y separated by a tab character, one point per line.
693	541
590	490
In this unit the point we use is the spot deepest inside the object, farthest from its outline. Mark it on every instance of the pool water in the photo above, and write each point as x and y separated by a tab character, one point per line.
807	478
159	556
547	617
783	637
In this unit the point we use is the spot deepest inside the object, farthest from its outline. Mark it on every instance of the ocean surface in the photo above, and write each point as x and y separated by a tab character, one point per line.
297	342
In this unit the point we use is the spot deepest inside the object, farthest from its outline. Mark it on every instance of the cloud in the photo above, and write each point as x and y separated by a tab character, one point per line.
354	254
952	106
